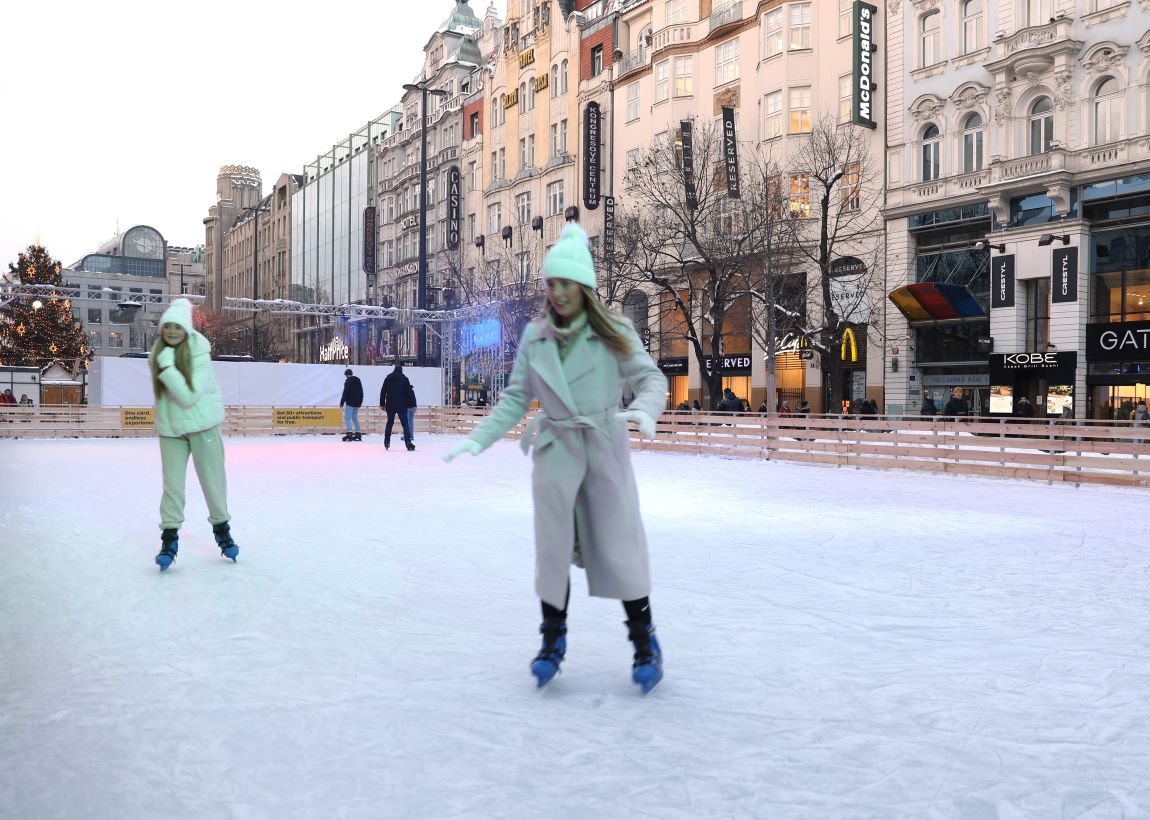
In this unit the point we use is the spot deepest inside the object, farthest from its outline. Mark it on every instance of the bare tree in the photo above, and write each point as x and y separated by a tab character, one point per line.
702	247
849	230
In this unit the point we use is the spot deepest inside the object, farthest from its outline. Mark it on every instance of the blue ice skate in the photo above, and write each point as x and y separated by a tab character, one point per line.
227	546
647	670
546	663
170	545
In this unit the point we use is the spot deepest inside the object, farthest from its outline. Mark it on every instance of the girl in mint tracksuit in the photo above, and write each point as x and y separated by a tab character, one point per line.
189	410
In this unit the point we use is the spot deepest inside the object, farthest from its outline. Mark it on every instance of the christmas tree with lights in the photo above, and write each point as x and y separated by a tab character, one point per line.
37	329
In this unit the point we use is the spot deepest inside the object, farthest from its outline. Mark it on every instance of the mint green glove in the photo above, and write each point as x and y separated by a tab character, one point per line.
465	446
642	420
166	357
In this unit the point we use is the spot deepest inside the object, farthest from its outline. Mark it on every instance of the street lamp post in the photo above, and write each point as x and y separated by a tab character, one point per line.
825	274
421	302
255	279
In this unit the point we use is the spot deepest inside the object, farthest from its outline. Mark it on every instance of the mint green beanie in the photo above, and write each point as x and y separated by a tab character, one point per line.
570	257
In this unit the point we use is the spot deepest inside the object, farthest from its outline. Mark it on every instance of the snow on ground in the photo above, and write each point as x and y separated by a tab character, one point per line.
839	644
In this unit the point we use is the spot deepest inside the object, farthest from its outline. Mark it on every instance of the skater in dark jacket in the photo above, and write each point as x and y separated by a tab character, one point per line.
397	397
351	401
575	362
189	411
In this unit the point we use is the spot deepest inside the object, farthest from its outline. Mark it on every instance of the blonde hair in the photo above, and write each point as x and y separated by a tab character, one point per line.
183	362
610	327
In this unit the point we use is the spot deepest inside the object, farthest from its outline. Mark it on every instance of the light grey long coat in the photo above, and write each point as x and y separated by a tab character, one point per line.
582	477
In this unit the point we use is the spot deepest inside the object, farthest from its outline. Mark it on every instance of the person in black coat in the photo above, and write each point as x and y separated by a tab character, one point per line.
351	401
957	407
929	408
396	398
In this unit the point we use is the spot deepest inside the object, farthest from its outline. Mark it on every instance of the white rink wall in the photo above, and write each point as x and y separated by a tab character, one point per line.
126	382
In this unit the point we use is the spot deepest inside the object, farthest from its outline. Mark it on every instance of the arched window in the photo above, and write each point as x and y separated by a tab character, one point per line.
931	143
1108	99
555	80
971	26
644	39
973	130
930	35
563	78
1041	125
523	97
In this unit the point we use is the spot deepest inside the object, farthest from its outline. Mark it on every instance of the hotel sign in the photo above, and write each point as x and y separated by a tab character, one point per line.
862	109
688	140
370	240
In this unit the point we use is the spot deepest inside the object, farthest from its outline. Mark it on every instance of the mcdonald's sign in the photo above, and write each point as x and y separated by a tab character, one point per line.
850	346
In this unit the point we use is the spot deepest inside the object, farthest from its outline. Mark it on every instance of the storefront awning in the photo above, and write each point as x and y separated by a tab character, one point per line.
934	301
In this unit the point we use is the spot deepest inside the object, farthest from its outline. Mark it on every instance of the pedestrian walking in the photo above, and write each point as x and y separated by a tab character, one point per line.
575	362
189	411
351	401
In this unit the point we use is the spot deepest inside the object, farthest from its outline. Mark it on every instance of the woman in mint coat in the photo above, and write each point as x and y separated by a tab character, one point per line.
189	411
575	362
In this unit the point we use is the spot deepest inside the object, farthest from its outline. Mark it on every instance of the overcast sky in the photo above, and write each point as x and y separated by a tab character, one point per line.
122	112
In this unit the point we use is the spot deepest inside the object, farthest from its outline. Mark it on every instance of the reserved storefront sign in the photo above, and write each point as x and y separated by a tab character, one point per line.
1118	341
731	365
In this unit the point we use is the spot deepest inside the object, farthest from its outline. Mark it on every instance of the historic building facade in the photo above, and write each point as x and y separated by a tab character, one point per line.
452	59
780	66
1019	204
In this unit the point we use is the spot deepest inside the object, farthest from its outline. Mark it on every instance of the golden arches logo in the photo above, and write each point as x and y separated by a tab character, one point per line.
849	338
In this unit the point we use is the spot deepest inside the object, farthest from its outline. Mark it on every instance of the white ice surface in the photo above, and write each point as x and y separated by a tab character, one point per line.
839	644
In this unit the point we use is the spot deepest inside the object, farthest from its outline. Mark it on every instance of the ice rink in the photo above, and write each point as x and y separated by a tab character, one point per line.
838	644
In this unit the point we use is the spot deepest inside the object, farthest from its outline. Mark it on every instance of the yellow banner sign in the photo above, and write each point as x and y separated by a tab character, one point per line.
136	417
308	417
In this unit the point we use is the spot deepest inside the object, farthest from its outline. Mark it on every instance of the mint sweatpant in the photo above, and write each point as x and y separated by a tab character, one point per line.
207	451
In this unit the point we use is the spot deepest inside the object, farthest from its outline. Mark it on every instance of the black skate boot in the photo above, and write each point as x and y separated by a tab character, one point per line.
347	436
227	546
358	437
546	663
170	545
410	445
647	670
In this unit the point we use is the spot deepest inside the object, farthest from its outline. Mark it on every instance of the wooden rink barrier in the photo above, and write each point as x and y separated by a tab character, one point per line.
1084	452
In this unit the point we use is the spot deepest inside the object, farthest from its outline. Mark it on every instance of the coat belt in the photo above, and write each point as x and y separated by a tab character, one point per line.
551	429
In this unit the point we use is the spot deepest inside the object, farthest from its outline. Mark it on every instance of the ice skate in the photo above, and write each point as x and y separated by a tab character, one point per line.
546	663
170	545
227	545
647	670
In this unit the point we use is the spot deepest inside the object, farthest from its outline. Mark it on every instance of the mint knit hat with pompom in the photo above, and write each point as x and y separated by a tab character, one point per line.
570	257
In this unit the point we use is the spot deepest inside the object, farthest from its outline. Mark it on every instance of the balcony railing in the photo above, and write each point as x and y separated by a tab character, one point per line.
633	61
730	13
669	36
